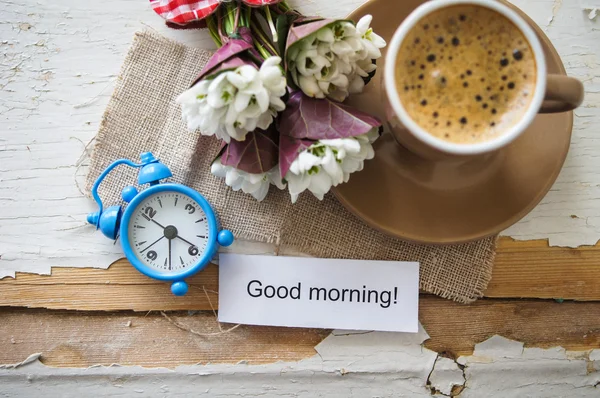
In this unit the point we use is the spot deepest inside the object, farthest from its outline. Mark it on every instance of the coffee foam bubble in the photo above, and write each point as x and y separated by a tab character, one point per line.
465	74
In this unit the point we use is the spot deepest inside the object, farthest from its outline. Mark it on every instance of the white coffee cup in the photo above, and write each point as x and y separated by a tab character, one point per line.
553	93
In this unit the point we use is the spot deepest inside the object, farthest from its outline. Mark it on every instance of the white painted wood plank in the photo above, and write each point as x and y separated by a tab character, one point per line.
577	190
59	61
346	365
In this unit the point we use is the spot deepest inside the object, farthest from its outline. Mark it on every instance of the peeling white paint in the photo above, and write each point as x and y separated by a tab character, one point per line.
503	367
555	7
446	375
356	364
590	6
28	360
498	347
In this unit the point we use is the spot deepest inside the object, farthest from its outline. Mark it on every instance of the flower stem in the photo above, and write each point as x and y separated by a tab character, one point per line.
213	30
271	24
237	18
220	26
261	49
248	16
276	9
284	6
262	39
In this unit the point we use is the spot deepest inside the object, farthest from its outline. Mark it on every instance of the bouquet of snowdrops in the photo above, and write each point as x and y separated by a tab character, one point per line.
274	91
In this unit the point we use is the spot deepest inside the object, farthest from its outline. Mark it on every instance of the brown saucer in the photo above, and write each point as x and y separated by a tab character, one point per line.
452	201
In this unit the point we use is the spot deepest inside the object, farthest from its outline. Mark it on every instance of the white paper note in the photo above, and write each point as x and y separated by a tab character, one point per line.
321	293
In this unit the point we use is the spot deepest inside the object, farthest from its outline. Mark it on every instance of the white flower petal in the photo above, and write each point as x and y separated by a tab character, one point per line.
377	40
332	167
262	98
363	24
277	104
236	79
309	86
271	77
274	176
261	193
241	101
357	84
320	184
218	169
297	183
250	186
271	62
325	34
337	94
264	121
248	72
293	51
341	47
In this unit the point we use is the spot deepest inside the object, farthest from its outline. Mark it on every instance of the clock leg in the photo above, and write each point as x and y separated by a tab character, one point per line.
179	288
225	238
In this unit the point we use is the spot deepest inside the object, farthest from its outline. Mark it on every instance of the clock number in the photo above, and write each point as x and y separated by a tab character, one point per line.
150	212
152	255
191	209
193	251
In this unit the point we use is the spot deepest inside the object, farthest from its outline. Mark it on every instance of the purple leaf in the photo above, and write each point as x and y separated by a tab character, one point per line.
245	34
230	64
317	119
256	154
289	148
229	50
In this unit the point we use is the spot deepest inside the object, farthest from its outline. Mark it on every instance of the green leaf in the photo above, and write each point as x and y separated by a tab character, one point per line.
282	26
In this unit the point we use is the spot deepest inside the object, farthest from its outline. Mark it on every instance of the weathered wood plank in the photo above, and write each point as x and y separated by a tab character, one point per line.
81	339
523	269
120	287
456	328
531	269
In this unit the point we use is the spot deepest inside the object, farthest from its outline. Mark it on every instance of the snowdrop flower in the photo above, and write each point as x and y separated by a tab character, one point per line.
328	163
372	42
321	63
235	102
333	61
256	185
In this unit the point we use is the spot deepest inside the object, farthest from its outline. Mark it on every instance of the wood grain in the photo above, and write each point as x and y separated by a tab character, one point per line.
120	287
523	269
531	269
81	339
456	328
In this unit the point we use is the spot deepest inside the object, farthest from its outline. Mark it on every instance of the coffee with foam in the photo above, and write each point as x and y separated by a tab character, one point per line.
465	74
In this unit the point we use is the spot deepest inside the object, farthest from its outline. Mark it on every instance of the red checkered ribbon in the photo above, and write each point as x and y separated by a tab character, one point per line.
182	12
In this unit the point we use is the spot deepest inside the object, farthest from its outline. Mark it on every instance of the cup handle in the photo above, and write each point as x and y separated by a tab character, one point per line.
563	94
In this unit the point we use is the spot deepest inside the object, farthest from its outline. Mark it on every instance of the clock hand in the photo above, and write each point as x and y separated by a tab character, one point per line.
186	241
153	220
170	254
152	244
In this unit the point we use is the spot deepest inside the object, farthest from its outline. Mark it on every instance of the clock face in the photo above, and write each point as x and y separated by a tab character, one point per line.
168	232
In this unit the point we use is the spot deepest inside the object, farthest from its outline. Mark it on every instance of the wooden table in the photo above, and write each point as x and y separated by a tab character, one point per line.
539	296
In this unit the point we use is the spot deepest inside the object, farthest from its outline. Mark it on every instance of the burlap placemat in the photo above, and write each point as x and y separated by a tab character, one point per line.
143	116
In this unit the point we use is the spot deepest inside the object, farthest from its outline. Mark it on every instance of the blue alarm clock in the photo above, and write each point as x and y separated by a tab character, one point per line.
168	231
